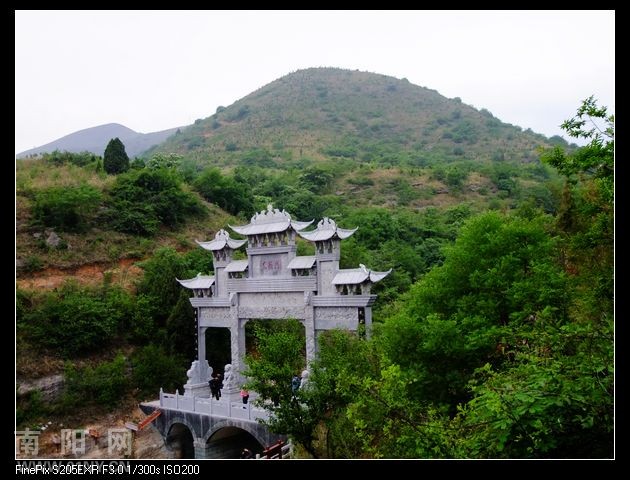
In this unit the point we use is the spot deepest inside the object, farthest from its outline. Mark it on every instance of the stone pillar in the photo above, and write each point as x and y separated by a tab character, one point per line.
368	322
309	331
201	449
201	344
237	343
200	372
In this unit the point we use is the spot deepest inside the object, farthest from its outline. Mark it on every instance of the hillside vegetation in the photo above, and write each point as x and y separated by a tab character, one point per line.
367	117
493	334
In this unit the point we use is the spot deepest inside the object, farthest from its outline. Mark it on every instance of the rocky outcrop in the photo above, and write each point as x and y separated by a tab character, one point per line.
50	387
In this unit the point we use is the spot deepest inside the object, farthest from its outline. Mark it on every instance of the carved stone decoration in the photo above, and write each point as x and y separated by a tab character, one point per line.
198	375
227	377
304	385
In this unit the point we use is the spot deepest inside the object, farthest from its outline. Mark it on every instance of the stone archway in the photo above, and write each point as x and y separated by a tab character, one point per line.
229	441
180	440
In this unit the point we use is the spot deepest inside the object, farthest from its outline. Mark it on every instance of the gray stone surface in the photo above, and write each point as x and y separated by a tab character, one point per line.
53	240
50	387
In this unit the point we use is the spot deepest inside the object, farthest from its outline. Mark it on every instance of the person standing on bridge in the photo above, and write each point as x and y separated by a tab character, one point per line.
244	395
214	387
219	384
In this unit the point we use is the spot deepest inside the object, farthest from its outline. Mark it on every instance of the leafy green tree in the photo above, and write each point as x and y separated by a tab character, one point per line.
597	158
500	270
316	179
155	368
161	160
159	282
279	356
225	191
115	159
181	328
554	400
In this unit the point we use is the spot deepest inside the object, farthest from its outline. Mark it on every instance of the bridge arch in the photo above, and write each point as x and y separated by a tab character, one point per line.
180	439
252	429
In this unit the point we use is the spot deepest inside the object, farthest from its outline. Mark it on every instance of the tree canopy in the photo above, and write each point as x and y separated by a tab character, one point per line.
115	159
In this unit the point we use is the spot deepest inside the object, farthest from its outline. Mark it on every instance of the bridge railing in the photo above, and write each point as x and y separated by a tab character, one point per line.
210	406
278	451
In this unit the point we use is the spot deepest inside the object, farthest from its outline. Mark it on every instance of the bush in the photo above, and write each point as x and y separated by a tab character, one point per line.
225	191
142	200
104	384
29	407
153	368
75	321
66	208
80	159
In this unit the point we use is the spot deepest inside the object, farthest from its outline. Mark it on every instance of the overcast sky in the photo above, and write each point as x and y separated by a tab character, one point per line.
156	70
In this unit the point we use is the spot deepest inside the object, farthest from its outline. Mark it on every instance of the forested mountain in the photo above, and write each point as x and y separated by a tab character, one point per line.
329	112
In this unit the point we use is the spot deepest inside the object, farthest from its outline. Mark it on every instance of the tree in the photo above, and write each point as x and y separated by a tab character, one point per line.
595	159
115	159
225	191
501	270
279	356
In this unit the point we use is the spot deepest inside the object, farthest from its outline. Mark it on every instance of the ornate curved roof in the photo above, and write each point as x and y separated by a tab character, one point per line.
270	221
200	281
237	266
221	239
352	276
327	228
306	261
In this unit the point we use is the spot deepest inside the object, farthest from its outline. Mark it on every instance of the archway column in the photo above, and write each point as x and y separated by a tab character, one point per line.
202	449
238	350
309	333
368	322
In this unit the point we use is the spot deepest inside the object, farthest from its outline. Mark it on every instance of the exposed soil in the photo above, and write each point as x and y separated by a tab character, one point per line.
147	443
124	271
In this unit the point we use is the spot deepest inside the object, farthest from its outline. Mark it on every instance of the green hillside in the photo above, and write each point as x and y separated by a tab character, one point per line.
366	117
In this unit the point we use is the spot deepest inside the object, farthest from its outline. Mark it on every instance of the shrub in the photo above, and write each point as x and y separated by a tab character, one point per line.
225	191
104	384
66	208
74	321
153	368
141	200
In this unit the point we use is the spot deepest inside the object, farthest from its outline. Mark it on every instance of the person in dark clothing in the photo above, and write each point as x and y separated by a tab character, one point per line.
295	384
214	387
219	384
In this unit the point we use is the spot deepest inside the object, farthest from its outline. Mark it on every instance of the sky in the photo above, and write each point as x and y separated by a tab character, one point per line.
153	70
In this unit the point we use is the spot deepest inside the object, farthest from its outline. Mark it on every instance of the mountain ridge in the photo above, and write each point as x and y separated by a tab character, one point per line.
95	139
332	112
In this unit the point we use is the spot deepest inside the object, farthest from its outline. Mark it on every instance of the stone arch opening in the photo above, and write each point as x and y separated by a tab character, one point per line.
218	349
180	441
229	442
270	325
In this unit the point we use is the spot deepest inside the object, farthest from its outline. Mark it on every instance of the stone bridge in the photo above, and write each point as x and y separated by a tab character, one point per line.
194	434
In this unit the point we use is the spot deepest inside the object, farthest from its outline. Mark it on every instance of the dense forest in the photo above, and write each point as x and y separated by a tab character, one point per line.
493	335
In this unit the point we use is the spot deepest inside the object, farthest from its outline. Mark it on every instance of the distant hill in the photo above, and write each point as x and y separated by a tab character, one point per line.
368	117
95	140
